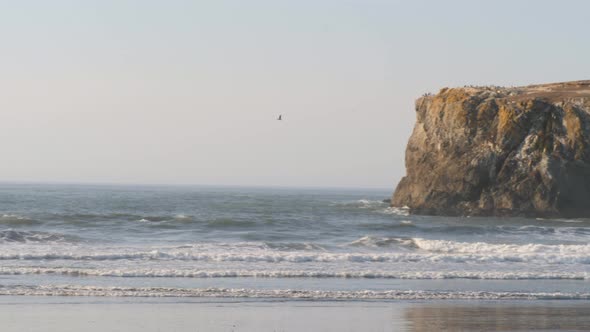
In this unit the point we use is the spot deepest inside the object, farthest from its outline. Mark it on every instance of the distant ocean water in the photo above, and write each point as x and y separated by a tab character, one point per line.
82	240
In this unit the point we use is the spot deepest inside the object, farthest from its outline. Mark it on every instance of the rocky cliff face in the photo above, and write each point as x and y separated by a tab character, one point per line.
500	151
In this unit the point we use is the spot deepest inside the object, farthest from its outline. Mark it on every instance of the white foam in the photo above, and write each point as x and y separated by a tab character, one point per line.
376	241
399	211
362	203
421	274
483	248
71	290
377	206
390	250
569	220
13	237
298	257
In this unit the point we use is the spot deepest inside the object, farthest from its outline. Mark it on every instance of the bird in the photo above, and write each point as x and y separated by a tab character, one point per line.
280	117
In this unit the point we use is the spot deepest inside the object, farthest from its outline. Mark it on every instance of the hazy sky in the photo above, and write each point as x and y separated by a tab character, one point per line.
187	92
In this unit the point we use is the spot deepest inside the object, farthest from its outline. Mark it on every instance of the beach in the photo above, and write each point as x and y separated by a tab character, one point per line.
176	314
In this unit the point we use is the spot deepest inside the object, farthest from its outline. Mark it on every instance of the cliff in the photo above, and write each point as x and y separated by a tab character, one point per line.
500	151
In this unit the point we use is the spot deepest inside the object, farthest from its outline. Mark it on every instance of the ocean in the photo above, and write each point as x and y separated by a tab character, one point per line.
276	244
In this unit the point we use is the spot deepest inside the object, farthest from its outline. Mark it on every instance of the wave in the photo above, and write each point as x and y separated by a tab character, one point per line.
399	226
75	218
416	228
84	218
70	290
164	218
294	246
411	250
580	220
12	236
365	203
399	211
543	230
378	206
230	223
344	274
483	248
16	220
474	248
375	241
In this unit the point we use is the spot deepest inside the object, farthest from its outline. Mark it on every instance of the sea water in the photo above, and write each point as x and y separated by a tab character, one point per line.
276	243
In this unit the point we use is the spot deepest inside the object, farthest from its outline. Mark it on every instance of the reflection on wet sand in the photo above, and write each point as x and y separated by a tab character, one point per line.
498	317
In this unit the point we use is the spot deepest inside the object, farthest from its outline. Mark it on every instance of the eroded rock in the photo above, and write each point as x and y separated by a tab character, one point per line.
500	151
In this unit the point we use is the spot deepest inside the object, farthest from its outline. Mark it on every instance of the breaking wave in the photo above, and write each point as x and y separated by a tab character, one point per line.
68	290
391	250
374	241
196	273
483	248
12	236
380	206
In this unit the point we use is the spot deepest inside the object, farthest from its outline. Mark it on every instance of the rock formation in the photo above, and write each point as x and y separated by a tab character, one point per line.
500	151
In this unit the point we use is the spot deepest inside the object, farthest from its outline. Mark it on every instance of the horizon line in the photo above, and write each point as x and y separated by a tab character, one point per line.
91	183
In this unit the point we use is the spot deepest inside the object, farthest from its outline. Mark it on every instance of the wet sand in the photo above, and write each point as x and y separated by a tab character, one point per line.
130	315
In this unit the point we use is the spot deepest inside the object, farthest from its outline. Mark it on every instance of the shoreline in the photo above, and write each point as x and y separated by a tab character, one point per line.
180	314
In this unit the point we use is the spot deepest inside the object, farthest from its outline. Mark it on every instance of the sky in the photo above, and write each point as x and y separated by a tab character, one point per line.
188	92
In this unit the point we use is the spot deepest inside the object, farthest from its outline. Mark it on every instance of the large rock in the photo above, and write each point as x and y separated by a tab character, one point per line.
500	151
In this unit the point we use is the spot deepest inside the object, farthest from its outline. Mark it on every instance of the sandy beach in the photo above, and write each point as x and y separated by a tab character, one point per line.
66	314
